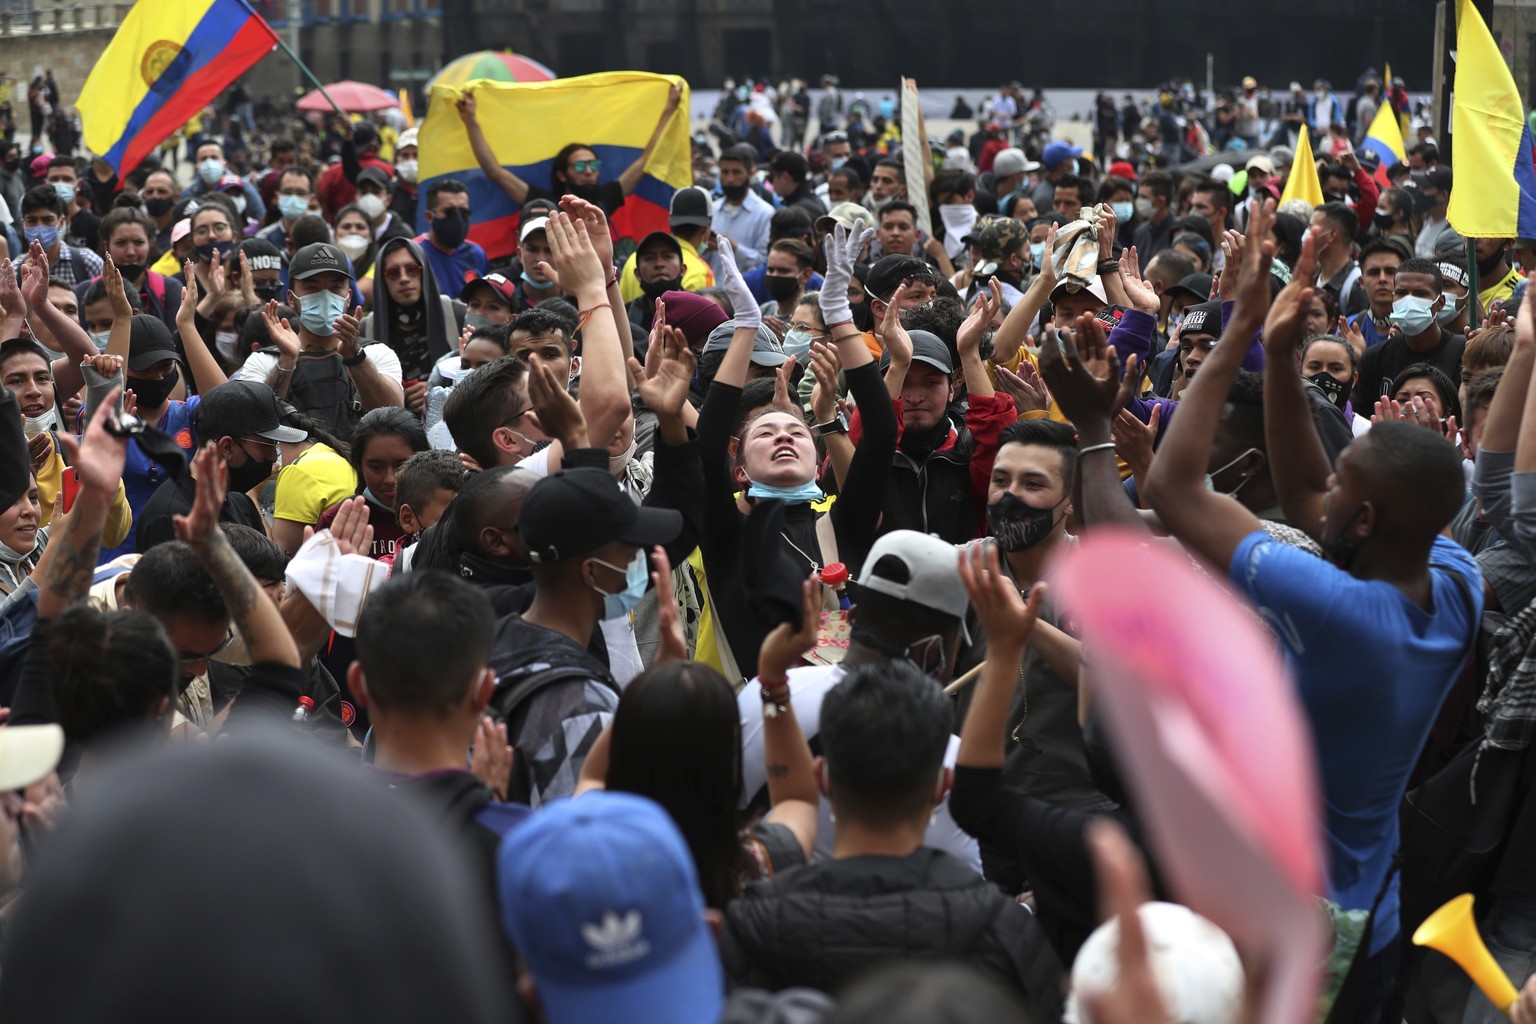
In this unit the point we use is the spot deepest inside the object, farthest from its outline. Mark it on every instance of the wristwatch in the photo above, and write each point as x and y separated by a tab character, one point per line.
356	360
839	425
775	698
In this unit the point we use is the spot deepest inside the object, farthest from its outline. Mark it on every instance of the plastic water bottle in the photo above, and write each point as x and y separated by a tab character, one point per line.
306	705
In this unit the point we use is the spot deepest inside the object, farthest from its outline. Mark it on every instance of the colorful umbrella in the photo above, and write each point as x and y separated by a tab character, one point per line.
353	97
497	65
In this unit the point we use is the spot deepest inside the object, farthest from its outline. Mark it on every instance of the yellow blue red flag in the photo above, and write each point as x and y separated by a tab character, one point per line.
1385	139
166	61
528	123
1493	194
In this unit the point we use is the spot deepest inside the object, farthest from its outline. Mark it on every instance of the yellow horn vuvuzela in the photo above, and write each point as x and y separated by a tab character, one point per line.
1453	931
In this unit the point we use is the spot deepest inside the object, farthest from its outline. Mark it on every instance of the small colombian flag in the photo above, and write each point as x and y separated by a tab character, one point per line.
167	60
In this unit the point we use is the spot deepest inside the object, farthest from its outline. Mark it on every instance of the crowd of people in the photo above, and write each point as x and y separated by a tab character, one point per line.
661	629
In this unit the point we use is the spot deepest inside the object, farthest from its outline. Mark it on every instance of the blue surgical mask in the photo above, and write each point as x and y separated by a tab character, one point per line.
1037	252
807	491
41	233
293	207
1413	314
64	190
1123	211
635	579
100	339
210	171
797	342
838	161
1450	311
318	312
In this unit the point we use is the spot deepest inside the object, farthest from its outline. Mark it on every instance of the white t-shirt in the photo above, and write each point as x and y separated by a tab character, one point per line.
258	364
807	687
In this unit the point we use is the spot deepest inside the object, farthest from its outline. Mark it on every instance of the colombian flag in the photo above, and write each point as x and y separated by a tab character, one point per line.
1303	182
166	61
527	123
1385	139
1493	194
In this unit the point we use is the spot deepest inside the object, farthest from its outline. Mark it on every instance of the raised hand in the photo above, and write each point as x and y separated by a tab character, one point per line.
576	263
1106	230
198	526
1066	364
349	329
664	382
1026	387
781	378
10	291
1286	323
278	329
349	528
842	249
897	341
744	308
1006	616
116	294
556	412
1122	883
825	366
785	646
107	366
186	313
466	106
247	286
1134	440
491	760
598	230
99	456
1047	275
976	325
1251	291
34	279
671	646
1141	293
1350	332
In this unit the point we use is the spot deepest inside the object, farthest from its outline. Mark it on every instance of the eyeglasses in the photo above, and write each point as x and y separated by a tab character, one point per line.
205	230
831	137
193	659
265	444
403	272
583	166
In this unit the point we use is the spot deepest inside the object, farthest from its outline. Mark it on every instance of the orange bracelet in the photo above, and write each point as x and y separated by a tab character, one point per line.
586	314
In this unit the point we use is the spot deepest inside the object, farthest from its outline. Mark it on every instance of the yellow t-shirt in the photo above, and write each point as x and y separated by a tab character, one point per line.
312	483
696	274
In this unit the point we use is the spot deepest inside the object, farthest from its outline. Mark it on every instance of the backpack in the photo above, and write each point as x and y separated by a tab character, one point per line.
322	389
509	703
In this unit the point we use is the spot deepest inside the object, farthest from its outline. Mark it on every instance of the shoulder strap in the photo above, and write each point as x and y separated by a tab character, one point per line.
157	287
77	263
516	690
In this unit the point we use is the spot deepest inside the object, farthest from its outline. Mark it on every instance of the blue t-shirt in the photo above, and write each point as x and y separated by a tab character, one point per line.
142	477
450	269
1372	669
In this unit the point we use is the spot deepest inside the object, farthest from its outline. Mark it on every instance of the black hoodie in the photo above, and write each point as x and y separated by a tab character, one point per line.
441	323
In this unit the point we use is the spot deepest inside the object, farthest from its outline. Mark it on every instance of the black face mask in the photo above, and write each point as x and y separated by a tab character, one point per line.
863	316
1330	386
1383	221
1341	551
253	473
210	251
1017	526
656	289
159	206
153	393
131	271
449	230
734	193
780	287
1490	264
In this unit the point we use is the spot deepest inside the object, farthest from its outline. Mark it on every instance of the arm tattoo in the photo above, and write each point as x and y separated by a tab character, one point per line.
236	584
74	564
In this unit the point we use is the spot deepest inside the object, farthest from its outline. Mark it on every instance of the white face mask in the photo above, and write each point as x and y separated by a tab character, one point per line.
618	463
353	245
34	425
228	344
239	203
407	170
371	205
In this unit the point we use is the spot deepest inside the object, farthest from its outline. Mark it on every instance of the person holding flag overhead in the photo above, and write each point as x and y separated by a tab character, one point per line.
575	170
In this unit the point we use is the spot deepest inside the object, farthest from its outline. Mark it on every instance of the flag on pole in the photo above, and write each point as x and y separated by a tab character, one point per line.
1388	91
528	123
1385	139
166	61
1493	194
1303	182
405	108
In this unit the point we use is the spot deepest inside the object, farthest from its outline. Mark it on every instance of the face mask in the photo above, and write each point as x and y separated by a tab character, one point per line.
780	287
1412	314
656	289
1123	211
1448	312
622	603
792	495
100	339
1330	387
228	344
1037	253
371	205
1017	525
838	161
616	463
1335	197
1210	478
159	206
1341	550
42	234
449	230
267	292
293	207
542	286
210	251
797	342
253	474
318	312
407	170
239	203
959	219
863	316
64	190
34	425
153	393
1144	209
353	245
1382	220
210	171
476	321
734	193
1490	264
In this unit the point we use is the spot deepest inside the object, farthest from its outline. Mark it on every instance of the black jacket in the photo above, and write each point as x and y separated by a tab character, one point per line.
824	924
932	493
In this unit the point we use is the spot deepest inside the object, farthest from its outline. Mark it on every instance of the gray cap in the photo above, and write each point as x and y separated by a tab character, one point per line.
932	573
766	350
926	348
1009	161
318	258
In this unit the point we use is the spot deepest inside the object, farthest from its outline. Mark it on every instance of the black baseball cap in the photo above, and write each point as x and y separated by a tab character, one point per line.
318	258
373	176
926	348
149	342
240	407
691	207
664	237
888	272
576	511
1197	286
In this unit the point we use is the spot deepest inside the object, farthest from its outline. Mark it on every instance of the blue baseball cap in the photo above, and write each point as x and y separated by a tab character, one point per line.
600	896
1056	152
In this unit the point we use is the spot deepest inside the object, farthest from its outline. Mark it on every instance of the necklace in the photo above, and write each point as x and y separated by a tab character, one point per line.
814	567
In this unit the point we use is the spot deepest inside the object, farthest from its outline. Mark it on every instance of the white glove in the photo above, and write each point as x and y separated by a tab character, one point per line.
745	311
842	248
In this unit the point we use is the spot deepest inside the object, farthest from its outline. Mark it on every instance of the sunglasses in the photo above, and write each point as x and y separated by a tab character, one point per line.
583	166
193	659
403	272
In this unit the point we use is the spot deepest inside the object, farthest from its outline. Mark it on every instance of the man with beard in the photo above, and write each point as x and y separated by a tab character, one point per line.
411	316
659	266
744	216
576	169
